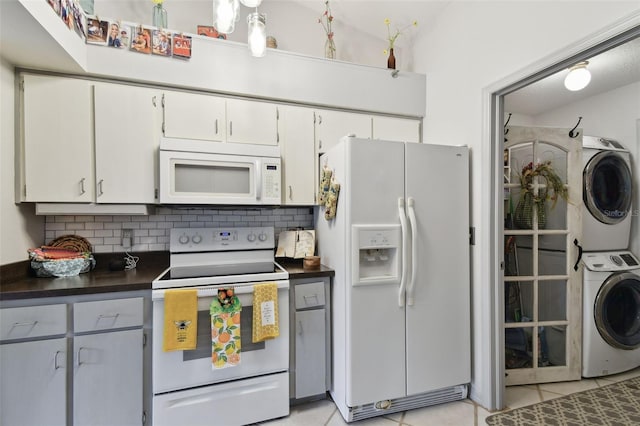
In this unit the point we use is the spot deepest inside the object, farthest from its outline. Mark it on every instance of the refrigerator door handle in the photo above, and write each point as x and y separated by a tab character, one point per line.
403	272
414	247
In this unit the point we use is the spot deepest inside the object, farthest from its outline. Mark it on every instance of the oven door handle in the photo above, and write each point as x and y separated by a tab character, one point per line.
209	291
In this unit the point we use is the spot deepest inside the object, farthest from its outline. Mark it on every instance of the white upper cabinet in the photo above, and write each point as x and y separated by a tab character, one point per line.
127	136
333	125
212	118
395	129
194	116
57	138
252	122
299	163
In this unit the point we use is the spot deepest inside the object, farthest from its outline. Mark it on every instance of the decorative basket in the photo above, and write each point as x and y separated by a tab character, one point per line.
63	267
76	261
72	242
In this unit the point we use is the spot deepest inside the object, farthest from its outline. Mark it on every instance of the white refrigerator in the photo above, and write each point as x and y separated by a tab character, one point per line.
399	245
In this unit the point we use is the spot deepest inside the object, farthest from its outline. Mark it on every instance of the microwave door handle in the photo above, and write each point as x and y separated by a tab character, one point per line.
258	166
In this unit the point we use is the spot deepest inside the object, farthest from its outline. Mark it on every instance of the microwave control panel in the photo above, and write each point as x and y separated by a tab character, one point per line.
271	173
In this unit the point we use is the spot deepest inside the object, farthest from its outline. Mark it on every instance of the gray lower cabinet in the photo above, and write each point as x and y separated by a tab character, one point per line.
107	362
33	385
88	373
310	365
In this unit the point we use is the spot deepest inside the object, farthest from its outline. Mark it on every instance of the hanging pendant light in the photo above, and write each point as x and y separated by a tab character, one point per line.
251	3
578	77
257	35
225	15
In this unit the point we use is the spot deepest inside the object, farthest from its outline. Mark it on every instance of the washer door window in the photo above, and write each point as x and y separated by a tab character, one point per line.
607	187
617	311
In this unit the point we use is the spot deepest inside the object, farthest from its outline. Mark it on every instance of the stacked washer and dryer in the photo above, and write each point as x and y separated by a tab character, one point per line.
611	275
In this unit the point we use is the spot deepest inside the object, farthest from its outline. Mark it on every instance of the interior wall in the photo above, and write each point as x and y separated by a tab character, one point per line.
612	115
472	46
19	227
295	27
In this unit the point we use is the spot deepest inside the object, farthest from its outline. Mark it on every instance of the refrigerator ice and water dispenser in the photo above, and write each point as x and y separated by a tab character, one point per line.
377	251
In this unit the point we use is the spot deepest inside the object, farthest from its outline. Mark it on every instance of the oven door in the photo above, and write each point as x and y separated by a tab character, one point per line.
180	370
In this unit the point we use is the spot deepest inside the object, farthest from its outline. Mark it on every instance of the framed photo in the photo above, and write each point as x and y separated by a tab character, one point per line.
181	46
209	31
141	39
118	36
161	43
97	30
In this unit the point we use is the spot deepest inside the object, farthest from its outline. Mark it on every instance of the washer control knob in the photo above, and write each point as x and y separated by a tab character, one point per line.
184	239
263	237
251	237
196	239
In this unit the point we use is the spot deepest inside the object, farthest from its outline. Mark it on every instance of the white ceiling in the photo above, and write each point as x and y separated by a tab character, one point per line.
614	68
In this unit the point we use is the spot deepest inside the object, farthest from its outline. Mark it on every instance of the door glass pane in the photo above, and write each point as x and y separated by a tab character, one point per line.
555	344
517	342
552	300
518	301
552	262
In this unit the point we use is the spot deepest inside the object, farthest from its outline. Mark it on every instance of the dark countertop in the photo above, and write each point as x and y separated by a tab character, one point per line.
18	282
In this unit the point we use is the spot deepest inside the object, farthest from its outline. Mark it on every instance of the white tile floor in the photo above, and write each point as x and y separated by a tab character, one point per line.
460	413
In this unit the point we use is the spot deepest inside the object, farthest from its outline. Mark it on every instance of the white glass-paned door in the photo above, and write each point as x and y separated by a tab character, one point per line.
542	232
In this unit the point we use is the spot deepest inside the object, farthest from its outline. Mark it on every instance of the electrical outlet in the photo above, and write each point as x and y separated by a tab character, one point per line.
127	238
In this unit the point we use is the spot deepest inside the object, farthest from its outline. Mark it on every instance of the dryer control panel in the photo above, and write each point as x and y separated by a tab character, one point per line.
611	261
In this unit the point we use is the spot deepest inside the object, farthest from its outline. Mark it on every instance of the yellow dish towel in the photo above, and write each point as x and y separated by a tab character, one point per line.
265	312
180	320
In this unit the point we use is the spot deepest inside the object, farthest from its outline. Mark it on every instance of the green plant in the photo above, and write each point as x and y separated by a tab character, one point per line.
392	38
553	186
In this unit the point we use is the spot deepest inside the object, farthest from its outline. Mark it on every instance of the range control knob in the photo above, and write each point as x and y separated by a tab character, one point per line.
196	239
263	237
184	239
251	237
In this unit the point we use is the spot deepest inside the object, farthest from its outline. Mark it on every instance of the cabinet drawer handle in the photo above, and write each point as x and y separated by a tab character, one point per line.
100	187
300	328
290	193
216	126
31	324
82	191
231	128
312	297
57	366
114	317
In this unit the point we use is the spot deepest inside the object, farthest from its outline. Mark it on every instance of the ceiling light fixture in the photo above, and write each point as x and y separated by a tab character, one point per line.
225	15
578	77
257	34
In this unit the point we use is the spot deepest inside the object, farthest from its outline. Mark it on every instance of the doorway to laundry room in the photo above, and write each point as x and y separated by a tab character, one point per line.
542	234
622	34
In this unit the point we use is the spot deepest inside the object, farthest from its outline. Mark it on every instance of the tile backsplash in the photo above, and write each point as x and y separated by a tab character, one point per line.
151	233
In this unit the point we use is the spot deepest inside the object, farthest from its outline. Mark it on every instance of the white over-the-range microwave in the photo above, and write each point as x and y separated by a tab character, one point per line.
203	172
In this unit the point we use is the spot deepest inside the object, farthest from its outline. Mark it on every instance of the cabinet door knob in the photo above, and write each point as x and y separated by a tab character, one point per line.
82	191
300	328
100	192
231	128
290	192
